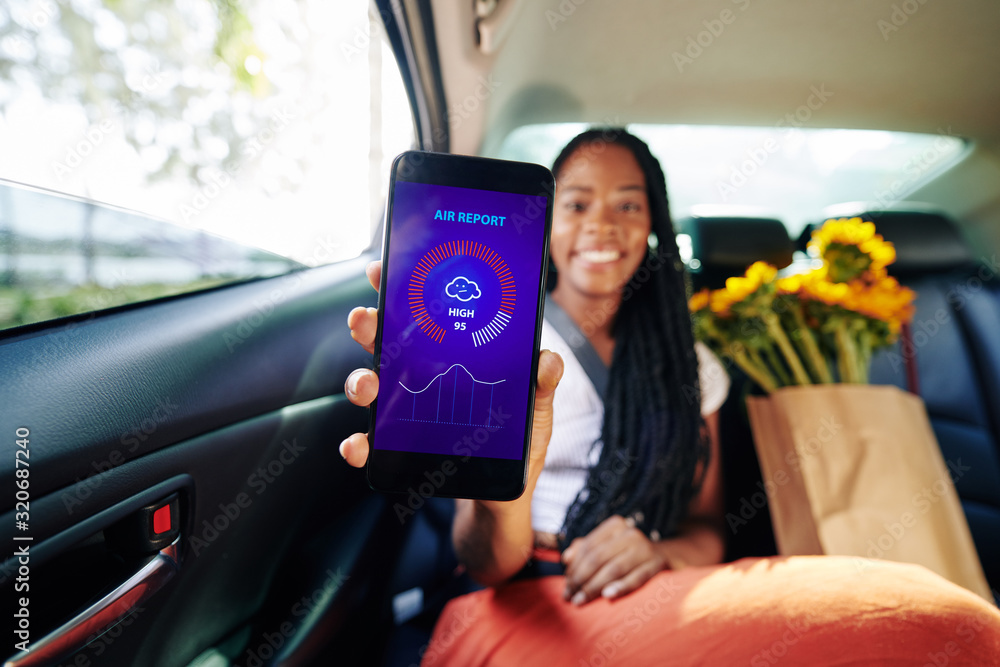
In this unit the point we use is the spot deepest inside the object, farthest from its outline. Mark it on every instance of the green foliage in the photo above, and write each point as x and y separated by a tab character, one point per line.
19	306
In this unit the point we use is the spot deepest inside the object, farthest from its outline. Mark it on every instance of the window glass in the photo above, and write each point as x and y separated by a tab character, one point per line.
199	142
788	173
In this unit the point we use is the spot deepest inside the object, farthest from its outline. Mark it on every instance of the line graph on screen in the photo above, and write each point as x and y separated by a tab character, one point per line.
454	397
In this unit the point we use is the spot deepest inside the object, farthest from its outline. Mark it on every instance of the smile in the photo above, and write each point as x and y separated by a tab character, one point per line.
599	256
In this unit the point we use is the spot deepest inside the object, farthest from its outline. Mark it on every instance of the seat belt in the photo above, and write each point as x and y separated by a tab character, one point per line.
584	352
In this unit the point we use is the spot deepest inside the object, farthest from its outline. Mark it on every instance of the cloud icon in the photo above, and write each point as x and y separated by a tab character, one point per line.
463	289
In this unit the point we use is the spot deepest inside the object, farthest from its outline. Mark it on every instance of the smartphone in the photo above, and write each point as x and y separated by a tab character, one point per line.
460	307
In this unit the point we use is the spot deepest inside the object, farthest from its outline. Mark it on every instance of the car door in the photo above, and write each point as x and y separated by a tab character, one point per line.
174	491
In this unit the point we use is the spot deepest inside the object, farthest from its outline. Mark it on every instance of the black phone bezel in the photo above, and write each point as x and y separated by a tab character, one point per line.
475	477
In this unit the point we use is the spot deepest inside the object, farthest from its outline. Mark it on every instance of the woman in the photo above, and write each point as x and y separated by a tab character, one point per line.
626	494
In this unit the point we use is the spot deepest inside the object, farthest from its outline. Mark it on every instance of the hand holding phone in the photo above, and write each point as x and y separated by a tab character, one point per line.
362	386
459	319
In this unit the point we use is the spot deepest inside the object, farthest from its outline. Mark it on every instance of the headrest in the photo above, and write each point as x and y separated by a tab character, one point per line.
926	242
726	246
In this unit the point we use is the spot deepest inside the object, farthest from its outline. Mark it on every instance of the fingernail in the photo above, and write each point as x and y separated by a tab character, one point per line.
343	445
352	383
579	598
610	591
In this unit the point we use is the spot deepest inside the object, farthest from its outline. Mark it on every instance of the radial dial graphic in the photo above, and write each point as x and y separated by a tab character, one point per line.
463	291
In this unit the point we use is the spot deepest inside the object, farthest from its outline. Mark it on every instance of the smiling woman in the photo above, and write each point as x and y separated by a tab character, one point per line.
612	554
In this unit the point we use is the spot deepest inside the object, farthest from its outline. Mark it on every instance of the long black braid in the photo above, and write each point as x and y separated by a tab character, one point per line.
654	440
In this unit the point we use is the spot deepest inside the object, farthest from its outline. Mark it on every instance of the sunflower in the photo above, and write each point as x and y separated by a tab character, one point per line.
850	248
739	289
816	327
885	300
699	300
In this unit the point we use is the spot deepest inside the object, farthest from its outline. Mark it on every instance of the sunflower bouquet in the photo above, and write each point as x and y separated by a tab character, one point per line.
824	437
819	327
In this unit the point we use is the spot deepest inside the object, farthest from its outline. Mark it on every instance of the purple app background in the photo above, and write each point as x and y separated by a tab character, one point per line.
458	328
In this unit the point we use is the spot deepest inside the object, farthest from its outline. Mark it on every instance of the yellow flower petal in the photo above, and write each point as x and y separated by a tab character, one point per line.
699	300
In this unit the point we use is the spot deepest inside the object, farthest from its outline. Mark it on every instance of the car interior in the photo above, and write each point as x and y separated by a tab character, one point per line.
218	410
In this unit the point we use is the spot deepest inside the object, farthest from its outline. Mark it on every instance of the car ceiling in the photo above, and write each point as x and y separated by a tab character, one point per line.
935	69
591	60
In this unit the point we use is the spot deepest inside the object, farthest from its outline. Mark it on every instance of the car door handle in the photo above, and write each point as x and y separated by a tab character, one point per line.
103	614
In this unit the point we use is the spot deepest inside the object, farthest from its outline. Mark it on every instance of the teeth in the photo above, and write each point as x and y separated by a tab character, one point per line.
599	256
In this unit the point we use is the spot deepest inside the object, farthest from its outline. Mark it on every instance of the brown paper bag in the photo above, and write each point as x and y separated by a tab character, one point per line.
856	470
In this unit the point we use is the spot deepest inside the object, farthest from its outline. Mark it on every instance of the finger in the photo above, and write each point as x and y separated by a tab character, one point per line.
569	552
363	323
361	387
550	370
610	571
631	581
604	531
589	563
602	545
374	273
612	526
355	449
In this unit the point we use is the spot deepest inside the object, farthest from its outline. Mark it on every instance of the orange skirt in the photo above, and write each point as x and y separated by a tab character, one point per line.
800	610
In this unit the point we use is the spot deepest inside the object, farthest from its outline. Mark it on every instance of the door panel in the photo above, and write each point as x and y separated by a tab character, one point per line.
234	399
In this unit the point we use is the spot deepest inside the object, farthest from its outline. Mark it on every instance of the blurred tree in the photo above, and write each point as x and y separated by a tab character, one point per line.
177	74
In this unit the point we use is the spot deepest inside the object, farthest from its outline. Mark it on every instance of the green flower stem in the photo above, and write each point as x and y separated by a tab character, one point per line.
757	373
778	334
848	353
864	354
817	362
775	364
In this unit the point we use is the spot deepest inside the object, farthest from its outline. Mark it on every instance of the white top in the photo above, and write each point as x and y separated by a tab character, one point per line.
579	415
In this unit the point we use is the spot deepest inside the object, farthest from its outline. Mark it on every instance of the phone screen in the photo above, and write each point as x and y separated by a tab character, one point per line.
460	310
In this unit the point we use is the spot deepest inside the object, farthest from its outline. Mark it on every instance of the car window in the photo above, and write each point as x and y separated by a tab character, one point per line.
786	172
154	147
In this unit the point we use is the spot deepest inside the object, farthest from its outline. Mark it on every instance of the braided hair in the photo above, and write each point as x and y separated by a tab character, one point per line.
654	438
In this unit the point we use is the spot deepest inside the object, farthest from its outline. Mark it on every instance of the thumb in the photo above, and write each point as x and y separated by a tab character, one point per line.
550	371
